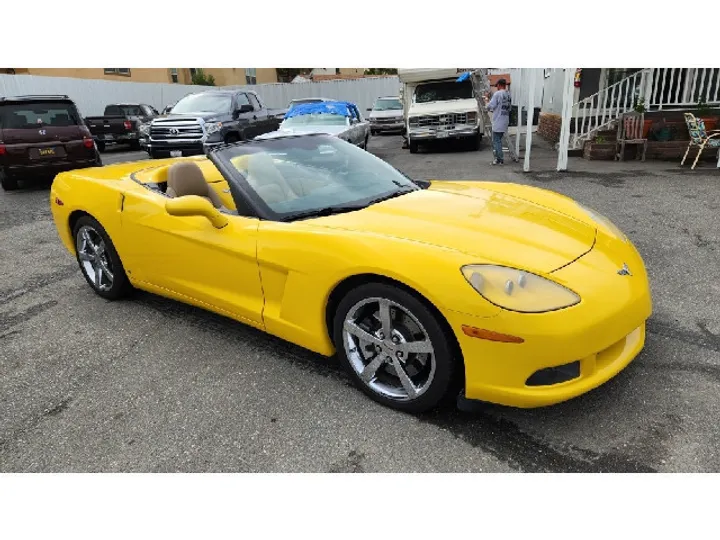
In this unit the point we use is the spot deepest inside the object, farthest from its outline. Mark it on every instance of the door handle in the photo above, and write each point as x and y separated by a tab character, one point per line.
254	117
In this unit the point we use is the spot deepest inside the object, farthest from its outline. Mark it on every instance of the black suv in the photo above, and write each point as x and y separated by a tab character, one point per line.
42	135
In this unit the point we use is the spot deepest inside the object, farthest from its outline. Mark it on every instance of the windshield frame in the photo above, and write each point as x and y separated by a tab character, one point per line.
252	205
446	83
215	95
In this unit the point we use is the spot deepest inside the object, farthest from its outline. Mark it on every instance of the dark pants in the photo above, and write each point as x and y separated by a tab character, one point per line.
497	145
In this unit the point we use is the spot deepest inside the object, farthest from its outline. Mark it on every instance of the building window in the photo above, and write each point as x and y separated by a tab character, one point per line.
118	71
337	71
174	75
250	76
192	72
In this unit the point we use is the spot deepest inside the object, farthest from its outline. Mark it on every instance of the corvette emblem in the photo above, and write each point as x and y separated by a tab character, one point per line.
624	271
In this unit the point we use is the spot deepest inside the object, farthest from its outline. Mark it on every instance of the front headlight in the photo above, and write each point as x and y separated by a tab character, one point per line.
212	127
517	290
144	129
605	222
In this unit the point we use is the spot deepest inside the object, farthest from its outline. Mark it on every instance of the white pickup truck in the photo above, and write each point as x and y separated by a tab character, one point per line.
437	107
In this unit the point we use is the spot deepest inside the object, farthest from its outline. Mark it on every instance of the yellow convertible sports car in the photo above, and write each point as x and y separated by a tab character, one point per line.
508	293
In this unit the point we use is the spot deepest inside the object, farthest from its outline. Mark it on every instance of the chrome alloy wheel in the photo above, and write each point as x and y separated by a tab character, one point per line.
94	259
389	349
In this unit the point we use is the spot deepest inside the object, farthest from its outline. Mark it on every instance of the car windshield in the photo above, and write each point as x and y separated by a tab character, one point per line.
203	103
387	105
443	91
308	176
319	119
294	104
29	115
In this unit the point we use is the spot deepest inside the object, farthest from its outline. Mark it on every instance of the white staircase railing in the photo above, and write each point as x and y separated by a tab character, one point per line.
599	111
655	88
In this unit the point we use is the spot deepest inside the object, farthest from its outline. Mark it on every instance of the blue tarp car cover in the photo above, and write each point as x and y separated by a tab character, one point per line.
464	77
341	108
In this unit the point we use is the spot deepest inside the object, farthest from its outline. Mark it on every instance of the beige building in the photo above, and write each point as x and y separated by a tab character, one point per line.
223	76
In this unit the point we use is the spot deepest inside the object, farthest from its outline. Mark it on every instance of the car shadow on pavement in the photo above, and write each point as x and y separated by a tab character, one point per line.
493	429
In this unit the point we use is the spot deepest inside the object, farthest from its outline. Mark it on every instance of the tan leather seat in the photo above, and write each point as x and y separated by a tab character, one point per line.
266	179
186	178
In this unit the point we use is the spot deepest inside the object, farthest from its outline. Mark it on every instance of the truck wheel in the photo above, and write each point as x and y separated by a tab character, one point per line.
8	184
232	138
134	145
413	147
477	142
100	146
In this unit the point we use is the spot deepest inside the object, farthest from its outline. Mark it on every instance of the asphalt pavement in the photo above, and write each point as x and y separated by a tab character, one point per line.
149	384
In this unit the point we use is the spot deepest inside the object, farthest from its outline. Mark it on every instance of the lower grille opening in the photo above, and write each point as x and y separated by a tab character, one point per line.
554	375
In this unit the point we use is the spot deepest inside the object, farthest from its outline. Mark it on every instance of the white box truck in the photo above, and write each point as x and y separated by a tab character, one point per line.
437	107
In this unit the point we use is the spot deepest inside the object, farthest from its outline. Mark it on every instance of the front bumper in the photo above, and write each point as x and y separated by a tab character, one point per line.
431	134
188	147
380	127
598	337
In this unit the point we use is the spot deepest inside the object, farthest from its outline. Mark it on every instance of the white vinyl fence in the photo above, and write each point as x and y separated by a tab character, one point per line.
92	95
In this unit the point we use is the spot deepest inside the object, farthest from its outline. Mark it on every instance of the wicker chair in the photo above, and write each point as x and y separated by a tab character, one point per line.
630	131
699	137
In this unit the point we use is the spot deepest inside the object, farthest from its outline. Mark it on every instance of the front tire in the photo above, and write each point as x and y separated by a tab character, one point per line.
394	348
7	183
98	260
413	147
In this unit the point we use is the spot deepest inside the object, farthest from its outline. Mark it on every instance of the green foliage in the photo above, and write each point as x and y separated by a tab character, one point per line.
201	79
381	71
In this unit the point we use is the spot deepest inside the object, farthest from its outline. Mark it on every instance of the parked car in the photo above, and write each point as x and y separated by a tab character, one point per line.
386	115
338	118
303	101
203	120
439	105
119	124
42	135
423	291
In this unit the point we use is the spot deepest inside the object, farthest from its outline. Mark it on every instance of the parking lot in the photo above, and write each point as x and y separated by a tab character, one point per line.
152	385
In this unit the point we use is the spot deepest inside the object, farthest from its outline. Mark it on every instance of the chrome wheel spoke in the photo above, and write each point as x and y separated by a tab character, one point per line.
98	274
418	347
368	374
88	241
384	315
85	256
355	330
106	271
405	380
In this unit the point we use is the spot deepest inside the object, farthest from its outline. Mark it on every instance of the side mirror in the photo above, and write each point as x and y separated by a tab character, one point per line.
369	109
193	205
245	108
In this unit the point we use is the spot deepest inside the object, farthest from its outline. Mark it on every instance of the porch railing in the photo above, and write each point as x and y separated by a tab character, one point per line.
656	88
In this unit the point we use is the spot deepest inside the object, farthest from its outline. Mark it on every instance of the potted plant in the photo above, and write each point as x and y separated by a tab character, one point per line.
639	107
703	112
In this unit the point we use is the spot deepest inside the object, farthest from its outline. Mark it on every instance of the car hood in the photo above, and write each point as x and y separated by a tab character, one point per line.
489	225
303	130
439	107
387	114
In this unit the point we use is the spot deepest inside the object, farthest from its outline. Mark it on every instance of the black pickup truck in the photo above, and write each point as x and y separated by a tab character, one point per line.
200	121
120	124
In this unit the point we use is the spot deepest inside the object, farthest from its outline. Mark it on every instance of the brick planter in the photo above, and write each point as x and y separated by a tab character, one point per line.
674	151
549	127
595	151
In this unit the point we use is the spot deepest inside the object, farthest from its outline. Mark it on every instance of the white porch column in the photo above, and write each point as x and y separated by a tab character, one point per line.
521	87
533	75
567	106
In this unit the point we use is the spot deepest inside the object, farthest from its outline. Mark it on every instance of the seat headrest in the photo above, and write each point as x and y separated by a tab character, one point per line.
186	178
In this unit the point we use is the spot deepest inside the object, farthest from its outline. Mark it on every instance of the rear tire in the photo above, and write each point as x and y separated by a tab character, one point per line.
8	183
416	345
135	145
99	263
100	146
